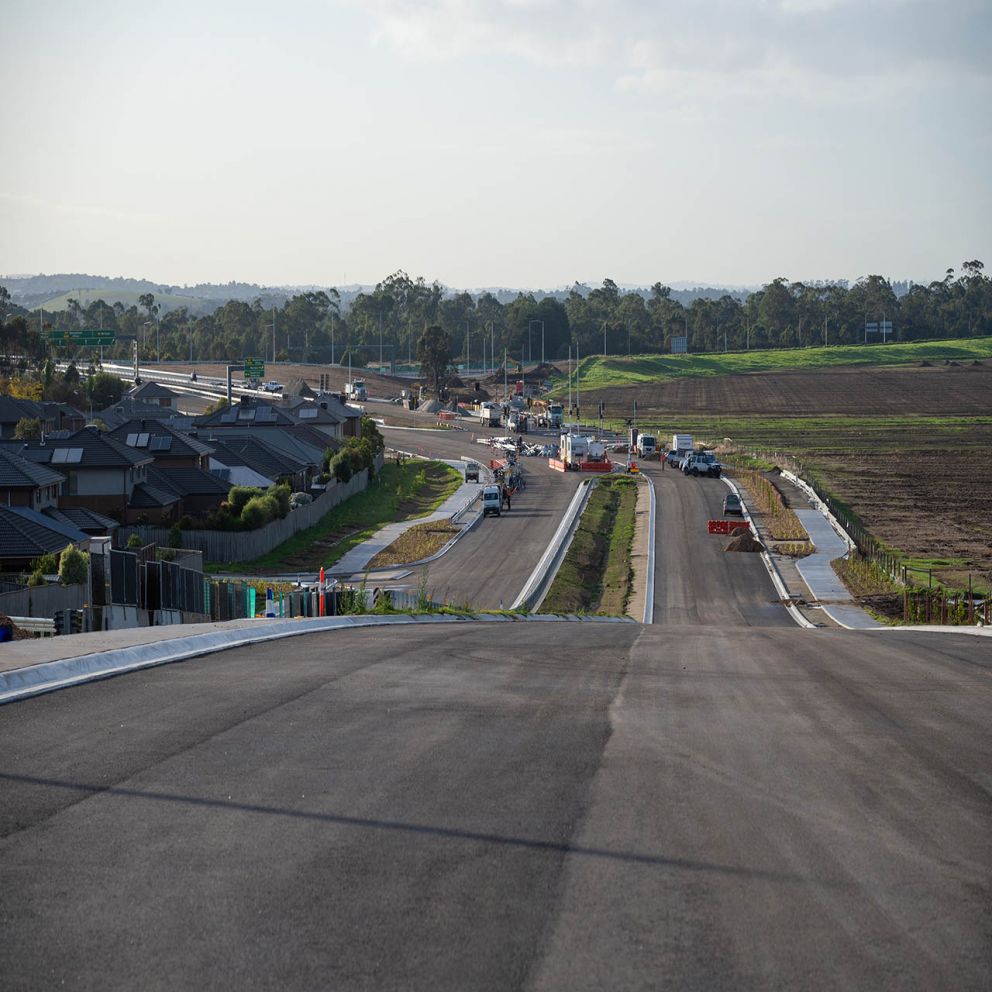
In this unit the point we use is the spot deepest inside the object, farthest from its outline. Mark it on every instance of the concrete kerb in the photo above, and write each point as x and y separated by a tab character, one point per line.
537	585
649	590
772	568
34	680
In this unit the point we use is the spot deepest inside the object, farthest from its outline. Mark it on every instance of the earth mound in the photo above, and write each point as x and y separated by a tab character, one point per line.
744	542
16	634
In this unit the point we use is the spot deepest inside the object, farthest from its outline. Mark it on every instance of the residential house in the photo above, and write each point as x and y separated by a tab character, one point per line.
168	446
154	393
101	471
26	483
26	534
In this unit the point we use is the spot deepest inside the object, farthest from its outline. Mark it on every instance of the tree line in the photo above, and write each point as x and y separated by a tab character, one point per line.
387	322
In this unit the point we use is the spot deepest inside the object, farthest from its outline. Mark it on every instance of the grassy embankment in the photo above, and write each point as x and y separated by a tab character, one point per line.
620	370
596	575
401	492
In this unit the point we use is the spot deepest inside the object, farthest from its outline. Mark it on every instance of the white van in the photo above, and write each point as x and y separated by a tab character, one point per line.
492	500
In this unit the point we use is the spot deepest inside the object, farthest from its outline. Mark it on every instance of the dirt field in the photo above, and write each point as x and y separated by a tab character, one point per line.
961	390
908	449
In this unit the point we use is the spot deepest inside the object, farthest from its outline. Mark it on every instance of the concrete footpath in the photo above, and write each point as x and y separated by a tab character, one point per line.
455	508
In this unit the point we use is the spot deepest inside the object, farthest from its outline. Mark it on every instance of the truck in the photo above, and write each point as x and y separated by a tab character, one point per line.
647	445
555	415
488	414
517	422
356	390
681	447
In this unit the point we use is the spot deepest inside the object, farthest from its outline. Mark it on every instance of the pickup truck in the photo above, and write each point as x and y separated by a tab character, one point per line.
272	386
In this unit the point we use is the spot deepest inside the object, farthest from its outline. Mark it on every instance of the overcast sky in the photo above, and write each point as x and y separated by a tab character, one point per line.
520	143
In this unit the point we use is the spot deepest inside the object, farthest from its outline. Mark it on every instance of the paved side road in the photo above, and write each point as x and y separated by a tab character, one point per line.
561	806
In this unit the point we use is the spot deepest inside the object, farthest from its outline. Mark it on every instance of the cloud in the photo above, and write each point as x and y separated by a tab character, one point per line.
756	45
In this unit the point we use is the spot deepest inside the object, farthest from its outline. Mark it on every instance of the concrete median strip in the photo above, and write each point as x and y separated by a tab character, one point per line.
537	585
33	680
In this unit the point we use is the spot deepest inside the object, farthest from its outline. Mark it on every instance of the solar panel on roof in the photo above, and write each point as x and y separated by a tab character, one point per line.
161	443
132	440
230	417
308	413
74	455
142	441
59	456
246	415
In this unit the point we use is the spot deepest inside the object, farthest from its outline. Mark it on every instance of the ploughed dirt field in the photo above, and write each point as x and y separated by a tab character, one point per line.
963	390
908	449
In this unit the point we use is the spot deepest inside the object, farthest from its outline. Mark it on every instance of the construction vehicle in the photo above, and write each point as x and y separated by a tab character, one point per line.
356	390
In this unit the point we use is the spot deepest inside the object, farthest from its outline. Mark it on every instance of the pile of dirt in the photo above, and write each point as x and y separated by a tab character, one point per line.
924	364
430	406
744	542
16	634
975	361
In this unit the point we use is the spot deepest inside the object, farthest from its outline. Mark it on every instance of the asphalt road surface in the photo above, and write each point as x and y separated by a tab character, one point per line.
514	806
489	566
696	581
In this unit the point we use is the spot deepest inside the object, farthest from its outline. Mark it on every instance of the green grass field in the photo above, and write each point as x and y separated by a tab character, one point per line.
618	370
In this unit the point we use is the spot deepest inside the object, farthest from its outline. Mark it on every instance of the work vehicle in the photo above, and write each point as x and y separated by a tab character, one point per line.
488	414
580	452
272	386
681	447
471	471
553	417
517	422
356	390
492	500
647	445
732	504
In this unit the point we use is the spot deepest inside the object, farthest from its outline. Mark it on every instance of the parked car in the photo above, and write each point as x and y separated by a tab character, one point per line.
732	504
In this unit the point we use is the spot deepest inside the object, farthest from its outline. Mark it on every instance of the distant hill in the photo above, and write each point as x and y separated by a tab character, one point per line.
53	292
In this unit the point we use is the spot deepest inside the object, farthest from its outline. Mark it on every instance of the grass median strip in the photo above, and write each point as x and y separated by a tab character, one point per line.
419	542
596	575
401	492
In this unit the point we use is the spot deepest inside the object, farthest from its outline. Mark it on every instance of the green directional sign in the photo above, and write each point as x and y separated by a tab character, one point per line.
254	368
84	336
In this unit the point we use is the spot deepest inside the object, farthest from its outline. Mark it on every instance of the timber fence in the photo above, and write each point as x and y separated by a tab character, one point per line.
244	545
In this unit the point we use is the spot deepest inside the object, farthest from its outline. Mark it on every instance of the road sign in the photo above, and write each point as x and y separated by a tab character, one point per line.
83	336
254	368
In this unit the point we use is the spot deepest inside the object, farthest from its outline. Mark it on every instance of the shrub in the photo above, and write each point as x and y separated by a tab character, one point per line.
186	522
73	566
258	511
36	579
175	536
239	496
134	542
281	495
46	564
341	467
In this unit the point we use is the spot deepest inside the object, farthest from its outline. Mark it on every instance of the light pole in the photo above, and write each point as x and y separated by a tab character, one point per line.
541	322
604	339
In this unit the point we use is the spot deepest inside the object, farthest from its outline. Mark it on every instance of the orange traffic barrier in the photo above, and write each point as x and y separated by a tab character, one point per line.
725	526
